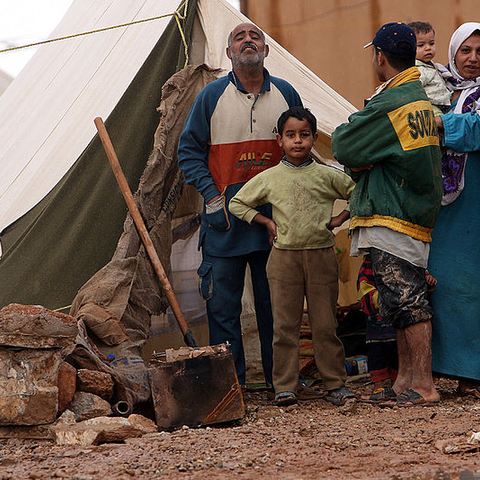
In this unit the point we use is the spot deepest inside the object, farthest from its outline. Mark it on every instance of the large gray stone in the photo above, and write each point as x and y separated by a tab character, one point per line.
28	386
92	381
87	405
103	430
33	343
67	385
34	326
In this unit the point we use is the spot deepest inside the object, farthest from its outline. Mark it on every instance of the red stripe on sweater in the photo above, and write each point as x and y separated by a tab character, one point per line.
232	163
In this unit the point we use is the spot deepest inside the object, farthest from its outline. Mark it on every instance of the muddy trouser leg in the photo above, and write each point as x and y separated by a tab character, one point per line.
321	270
402	295
285	276
226	277
263	309
402	290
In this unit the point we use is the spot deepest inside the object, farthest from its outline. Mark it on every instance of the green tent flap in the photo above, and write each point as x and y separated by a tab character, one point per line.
50	252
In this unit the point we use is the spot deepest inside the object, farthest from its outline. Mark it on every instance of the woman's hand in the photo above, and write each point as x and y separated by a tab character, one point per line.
430	279
439	123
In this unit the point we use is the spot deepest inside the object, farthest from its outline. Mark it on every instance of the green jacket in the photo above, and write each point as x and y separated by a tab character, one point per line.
397	135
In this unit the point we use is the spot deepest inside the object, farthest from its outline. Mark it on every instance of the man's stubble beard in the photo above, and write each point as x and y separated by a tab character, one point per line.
248	61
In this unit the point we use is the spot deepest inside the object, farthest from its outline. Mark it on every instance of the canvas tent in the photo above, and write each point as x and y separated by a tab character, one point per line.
5	80
61	213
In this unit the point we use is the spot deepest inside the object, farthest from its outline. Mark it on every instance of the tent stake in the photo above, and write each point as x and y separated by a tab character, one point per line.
144	235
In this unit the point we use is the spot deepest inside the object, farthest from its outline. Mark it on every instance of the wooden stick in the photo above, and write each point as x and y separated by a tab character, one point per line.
142	231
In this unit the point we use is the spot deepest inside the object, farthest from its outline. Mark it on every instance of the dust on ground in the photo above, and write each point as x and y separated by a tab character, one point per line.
311	440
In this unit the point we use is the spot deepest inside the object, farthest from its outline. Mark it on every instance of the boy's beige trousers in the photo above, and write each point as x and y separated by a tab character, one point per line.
293	274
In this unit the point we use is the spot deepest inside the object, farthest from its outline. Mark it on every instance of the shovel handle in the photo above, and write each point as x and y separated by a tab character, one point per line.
142	231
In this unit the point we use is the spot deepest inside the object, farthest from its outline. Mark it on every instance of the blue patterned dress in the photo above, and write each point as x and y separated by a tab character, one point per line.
455	256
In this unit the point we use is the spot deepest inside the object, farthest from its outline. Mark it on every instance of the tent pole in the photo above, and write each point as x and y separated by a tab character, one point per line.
144	235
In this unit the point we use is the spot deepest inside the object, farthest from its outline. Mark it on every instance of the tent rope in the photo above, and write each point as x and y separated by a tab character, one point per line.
179	17
177	14
61	308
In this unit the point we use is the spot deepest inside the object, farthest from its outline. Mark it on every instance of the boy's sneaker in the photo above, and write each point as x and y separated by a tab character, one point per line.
283	399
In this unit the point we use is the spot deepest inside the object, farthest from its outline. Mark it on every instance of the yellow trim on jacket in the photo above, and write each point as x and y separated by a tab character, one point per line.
415	231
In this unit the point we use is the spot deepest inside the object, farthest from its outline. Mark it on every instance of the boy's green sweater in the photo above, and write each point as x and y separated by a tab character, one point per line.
397	135
302	202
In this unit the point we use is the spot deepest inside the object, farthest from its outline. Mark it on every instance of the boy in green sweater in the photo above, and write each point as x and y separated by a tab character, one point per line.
302	262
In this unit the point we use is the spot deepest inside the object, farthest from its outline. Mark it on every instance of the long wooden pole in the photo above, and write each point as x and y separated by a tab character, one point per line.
142	231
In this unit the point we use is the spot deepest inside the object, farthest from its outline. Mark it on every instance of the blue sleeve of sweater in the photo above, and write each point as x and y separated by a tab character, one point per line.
461	131
193	146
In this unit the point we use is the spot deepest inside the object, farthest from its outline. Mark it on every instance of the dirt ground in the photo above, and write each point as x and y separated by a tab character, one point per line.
311	440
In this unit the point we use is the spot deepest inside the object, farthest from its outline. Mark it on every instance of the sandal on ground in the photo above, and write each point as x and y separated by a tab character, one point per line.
468	389
469	392
380	395
283	399
339	396
411	398
308	393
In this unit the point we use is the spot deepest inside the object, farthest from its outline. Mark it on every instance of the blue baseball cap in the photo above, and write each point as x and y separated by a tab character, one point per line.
395	37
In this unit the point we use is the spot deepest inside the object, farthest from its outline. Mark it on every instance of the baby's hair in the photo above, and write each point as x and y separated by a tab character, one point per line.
299	113
421	27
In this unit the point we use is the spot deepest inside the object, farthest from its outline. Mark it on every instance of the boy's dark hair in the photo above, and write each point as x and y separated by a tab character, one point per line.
299	113
421	27
399	62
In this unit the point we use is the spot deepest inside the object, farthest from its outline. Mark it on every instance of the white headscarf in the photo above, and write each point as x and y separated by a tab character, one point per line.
453	163
451	73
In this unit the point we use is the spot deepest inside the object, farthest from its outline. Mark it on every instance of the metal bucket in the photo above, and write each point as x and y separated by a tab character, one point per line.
195	387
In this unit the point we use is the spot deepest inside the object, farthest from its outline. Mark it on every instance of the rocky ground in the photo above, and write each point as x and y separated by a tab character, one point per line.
312	440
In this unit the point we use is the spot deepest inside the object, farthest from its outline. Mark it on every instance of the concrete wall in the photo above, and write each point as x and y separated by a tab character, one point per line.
328	35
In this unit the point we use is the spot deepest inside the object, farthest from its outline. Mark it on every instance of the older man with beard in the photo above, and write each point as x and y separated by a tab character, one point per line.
228	138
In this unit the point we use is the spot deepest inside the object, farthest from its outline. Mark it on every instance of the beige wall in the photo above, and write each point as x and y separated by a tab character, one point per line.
328	35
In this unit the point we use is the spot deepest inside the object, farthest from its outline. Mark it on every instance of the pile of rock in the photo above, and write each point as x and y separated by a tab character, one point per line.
38	385
33	345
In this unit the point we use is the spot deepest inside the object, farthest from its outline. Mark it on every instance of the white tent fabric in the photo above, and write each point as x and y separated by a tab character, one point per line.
50	119
48	122
330	108
5	80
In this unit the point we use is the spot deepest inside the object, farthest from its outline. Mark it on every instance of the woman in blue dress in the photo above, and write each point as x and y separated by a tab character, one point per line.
455	250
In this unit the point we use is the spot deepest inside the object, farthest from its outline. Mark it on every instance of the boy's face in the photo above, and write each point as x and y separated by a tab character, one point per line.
297	140
426	46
